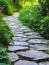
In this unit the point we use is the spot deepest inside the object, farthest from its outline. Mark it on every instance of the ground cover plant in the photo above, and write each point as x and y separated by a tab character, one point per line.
5	39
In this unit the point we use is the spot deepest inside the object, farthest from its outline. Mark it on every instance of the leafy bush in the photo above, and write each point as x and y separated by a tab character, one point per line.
32	17
44	28
5	33
3	55
1	15
19	4
6	7
5	39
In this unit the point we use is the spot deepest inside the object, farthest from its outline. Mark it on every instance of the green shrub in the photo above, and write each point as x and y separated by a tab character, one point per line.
31	17
5	39
44	28
6	7
5	33
1	15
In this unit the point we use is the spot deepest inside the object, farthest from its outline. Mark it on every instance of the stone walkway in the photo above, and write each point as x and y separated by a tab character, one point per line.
28	47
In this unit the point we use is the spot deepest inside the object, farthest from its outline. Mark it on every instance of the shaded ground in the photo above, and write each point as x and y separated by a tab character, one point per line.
28	46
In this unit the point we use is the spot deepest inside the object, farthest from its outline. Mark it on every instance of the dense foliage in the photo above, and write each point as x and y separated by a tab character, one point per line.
19	4
5	39
33	18
6	7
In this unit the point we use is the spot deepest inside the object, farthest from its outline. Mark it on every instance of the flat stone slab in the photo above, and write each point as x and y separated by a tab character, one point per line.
20	43
12	24
40	47
24	28
34	37
17	48
31	34
44	63
13	57
27	30
31	41
45	41
20	39
35	41
20	35
23	62
34	55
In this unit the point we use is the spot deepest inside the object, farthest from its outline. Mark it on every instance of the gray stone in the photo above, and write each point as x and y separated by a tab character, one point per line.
34	55
20	39
21	43
23	62
45	41
12	24
20	35
31	41
17	48
44	63
24	28
13	57
39	47
29	33
35	41
34	37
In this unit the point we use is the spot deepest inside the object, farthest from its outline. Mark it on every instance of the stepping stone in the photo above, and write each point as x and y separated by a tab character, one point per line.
20	35
24	28
23	62
29	33
20	39
44	63
27	30
34	55
45	41
17	48
20	43
12	24
34	37
35	41
13	57
39	47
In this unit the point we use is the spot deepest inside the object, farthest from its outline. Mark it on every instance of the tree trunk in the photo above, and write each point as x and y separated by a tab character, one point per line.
47	9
